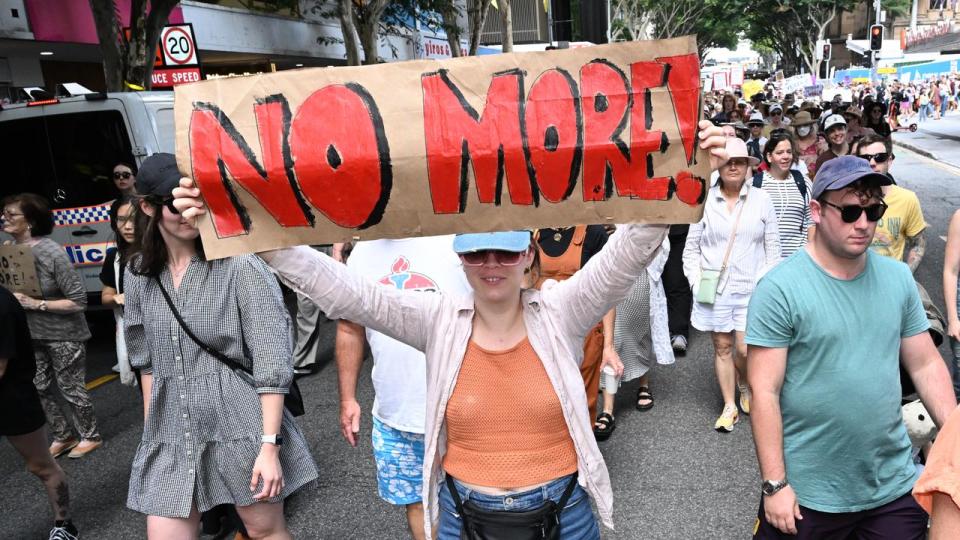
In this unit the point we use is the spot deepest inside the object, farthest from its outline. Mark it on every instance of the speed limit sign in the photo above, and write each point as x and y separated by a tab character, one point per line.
179	47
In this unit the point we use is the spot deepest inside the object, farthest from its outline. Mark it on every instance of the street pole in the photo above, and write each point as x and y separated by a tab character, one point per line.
913	15
874	54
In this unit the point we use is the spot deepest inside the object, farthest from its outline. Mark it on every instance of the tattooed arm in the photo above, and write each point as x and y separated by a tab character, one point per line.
914	250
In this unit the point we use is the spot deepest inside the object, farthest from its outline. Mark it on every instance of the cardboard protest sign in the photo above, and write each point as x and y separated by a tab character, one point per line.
604	134
18	272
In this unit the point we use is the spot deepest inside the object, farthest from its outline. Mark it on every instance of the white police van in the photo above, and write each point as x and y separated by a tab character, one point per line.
65	149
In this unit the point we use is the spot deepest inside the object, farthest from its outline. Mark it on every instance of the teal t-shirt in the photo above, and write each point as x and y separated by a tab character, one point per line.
844	443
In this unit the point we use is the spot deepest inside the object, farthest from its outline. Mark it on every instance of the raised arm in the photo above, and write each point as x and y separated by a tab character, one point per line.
406	316
606	279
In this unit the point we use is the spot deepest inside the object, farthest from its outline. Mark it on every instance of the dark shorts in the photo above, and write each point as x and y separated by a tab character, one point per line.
20	408
901	519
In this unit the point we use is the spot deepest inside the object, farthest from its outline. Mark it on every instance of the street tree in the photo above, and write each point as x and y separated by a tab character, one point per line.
363	23
794	28
506	24
477	15
128	55
716	23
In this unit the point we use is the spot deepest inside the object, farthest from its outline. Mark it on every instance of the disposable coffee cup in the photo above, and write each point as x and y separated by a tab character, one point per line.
609	378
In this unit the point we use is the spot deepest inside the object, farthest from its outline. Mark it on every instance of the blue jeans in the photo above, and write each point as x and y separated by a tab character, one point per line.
576	519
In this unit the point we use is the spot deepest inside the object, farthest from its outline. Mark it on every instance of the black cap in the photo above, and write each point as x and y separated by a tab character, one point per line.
158	175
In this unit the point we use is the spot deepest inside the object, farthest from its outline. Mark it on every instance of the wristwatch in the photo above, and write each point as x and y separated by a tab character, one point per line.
770	487
42	306
275	439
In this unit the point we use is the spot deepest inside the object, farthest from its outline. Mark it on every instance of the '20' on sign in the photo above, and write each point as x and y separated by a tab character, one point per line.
530	141
178	46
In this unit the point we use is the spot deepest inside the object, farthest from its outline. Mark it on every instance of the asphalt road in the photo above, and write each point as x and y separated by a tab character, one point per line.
673	476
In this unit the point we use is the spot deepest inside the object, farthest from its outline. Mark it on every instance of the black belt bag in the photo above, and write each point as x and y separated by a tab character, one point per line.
541	523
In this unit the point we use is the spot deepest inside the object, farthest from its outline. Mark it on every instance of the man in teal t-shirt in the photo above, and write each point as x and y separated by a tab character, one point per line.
827	329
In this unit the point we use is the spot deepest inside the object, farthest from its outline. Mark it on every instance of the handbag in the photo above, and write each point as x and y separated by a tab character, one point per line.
710	279
293	401
541	523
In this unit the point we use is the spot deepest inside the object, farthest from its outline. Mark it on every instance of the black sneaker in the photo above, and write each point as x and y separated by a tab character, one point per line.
62	533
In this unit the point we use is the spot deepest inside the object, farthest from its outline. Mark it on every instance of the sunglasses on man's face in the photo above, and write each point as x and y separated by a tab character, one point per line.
125	175
850	213
503	258
880	157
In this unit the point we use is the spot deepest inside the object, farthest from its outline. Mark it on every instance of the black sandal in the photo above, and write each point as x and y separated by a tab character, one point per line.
606	427
644	393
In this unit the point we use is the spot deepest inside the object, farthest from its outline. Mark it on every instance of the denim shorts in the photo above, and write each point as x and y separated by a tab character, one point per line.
576	519
399	457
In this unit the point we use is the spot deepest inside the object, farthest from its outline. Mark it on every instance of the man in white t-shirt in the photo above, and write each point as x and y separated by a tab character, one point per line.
428	265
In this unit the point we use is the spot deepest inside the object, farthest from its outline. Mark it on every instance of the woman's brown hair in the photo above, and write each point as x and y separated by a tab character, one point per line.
150	249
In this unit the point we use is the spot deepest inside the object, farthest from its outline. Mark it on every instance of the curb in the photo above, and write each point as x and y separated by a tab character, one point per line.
916	149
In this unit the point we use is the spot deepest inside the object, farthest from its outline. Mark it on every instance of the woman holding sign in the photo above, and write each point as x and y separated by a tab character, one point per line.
57	325
213	433
509	443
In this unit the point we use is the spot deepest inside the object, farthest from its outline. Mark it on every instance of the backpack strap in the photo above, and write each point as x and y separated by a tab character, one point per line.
801	184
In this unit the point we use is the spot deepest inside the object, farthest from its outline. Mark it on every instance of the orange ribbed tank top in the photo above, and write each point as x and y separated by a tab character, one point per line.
505	427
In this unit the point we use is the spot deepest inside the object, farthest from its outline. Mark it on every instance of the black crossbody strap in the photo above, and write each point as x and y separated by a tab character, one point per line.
232	364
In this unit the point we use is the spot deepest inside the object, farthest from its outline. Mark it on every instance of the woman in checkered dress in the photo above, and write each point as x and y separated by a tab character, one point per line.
204	427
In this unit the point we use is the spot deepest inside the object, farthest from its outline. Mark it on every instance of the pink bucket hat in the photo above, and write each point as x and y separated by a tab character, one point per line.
736	148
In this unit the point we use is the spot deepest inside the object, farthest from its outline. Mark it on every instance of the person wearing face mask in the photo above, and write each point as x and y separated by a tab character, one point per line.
835	128
805	129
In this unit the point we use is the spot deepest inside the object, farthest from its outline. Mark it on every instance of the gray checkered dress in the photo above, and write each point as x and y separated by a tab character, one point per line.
202	434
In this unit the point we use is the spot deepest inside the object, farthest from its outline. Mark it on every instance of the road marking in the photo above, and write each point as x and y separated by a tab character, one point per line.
101	381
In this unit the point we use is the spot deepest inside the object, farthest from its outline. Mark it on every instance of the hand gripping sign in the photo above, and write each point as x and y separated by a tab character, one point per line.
602	134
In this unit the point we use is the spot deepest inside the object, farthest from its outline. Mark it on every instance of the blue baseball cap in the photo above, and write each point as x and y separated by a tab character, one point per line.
842	171
515	241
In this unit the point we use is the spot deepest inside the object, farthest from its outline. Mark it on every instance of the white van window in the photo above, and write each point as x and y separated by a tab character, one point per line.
67	157
165	130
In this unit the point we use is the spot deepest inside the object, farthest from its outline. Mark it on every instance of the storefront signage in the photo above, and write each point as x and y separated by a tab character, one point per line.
605	134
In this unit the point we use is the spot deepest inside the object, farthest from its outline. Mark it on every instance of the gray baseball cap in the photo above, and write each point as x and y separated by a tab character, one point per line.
158	175
842	171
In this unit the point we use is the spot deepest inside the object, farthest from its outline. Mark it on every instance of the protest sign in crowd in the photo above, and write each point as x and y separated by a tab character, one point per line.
518	238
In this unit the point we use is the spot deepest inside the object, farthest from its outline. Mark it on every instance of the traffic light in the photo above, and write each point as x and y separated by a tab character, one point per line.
876	37
826	51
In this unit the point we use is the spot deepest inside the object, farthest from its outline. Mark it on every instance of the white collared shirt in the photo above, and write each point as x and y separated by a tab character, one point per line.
756	248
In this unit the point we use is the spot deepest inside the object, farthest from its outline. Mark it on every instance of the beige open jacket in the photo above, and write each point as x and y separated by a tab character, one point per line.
557	319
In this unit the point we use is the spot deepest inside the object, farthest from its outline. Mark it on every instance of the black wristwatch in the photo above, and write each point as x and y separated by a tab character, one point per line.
770	487
275	440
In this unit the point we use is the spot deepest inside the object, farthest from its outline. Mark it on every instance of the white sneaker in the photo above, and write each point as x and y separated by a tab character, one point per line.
115	368
679	344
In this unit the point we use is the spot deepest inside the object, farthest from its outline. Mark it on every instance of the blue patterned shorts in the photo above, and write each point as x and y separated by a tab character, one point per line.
399	456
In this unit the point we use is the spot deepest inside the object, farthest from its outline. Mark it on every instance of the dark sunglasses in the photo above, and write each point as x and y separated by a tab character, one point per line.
166	201
850	213
124	175
503	258
880	157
